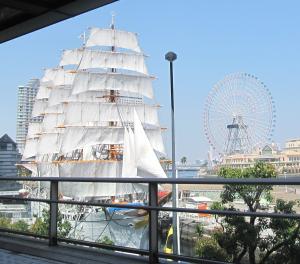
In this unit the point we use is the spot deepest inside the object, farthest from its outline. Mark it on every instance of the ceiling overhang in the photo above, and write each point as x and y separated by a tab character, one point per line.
19	17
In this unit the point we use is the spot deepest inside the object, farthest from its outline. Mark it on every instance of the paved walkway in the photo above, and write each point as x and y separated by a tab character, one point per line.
8	257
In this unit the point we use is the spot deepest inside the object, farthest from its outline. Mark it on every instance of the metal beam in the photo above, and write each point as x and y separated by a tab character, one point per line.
53	213
153	225
212	180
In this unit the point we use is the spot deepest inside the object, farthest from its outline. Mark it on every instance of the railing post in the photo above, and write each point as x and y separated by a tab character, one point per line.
53	213
153	224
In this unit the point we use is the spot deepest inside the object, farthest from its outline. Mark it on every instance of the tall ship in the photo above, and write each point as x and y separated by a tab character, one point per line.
99	118
98	115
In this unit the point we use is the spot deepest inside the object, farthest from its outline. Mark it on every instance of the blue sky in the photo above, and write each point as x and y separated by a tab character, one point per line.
212	38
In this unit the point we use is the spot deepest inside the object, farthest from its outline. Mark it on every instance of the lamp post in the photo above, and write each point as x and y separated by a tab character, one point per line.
171	56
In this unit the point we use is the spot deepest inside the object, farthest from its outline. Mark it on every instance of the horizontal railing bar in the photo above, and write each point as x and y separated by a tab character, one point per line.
166	209
229	213
190	259
11	198
17	232
104	246
217	180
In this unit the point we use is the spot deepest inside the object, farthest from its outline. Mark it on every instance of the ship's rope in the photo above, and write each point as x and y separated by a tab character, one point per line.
108	221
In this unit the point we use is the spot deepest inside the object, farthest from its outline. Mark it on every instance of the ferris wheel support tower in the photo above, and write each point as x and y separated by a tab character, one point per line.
238	139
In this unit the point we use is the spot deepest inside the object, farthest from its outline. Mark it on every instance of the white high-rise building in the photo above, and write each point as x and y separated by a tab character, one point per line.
26	97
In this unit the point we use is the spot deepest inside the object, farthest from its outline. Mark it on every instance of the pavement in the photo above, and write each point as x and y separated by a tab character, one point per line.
9	257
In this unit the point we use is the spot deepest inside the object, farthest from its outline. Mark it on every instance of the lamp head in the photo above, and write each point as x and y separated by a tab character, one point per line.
170	56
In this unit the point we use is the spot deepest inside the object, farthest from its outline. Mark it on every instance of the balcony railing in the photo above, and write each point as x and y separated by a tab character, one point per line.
152	208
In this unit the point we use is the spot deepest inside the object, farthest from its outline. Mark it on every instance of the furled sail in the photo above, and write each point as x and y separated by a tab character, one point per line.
112	37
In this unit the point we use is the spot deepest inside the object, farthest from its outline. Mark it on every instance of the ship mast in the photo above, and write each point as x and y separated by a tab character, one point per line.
113	150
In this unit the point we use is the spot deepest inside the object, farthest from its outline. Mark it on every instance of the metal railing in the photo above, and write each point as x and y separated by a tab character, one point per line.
152	208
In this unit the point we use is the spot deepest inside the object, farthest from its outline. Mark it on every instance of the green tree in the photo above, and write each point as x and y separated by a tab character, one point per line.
208	248
274	240
20	225
5	222
183	160
106	240
41	225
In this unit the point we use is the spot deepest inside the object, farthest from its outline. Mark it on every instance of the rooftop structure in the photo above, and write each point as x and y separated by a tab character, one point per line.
9	156
293	144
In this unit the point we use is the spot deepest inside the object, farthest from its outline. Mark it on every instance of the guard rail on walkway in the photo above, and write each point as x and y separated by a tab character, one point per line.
152	208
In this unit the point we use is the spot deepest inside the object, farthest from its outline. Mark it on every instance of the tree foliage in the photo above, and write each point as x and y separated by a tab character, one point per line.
256	240
106	240
41	225
183	160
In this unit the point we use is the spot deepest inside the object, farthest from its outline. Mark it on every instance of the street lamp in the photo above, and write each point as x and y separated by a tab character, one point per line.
171	56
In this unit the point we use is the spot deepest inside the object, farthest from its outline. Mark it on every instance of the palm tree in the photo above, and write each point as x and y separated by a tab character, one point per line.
183	160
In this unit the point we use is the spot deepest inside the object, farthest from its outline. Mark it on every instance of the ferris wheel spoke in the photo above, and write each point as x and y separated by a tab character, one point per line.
256	120
240	98
222	102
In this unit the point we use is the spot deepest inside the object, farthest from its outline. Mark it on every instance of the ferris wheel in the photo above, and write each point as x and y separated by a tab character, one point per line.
239	114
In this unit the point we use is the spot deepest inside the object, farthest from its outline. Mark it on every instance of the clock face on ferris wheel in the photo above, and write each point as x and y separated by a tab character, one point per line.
240	100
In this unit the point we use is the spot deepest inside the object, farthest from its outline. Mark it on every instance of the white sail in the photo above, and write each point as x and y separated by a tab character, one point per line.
129	168
87	81
112	37
84	169
108	59
96	113
146	160
57	77
156	141
56	109
48	169
89	96
43	92
30	148
49	143
59	95
78	137
39	108
71	57
34	129
52	122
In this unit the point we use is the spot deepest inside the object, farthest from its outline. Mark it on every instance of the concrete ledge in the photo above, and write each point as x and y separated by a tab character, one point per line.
66	253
